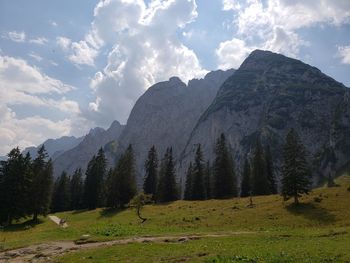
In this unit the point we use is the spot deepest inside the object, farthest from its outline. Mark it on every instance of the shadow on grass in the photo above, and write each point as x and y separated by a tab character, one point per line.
312	212
22	226
79	211
110	212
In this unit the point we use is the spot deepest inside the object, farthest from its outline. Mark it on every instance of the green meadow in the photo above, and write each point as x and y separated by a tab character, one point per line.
318	230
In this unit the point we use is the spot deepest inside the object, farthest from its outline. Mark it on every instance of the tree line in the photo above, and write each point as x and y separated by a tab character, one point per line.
27	187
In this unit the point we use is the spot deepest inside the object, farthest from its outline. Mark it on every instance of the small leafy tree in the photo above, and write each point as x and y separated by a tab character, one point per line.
138	201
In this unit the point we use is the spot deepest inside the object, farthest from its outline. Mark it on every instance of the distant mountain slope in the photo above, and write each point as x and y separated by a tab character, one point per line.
79	156
55	147
268	95
166	114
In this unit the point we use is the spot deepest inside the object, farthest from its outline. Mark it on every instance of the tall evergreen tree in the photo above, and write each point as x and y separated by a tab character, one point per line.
126	177
198	188
260	183
296	172
151	177
42	183
61	197
94	195
76	190
189	183
15	186
224	174
208	180
112	198
270	171
246	179
167	190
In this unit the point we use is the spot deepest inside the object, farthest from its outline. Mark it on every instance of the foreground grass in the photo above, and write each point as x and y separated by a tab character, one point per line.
260	247
319	228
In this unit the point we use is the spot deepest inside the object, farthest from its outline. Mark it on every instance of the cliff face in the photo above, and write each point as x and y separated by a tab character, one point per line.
267	96
166	114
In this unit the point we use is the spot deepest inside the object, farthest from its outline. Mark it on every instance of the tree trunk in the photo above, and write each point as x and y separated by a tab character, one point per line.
139	215
296	200
35	217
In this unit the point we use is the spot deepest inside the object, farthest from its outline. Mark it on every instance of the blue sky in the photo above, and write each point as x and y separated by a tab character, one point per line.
68	66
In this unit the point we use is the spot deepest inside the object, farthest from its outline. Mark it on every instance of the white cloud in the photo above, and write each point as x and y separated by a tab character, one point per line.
83	53
231	53
15	36
64	43
344	53
35	56
80	53
230	5
53	23
39	41
25	85
145	50
274	24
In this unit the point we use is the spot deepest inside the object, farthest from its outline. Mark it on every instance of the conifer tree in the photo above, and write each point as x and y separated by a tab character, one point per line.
76	190
126	177
167	190
15	186
296	172
61	197
246	179
198	188
42	183
260	184
208	180
189	184
151	177
112	198
270	171
94	194
224	175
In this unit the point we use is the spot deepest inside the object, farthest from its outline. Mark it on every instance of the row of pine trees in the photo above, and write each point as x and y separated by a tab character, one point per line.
27	187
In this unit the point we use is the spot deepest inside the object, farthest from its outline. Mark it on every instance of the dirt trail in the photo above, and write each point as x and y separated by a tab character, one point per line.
45	252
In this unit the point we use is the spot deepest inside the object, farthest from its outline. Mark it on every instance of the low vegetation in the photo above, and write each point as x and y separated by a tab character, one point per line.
271	231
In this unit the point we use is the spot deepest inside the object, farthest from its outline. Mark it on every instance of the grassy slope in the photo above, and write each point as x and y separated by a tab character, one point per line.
314	231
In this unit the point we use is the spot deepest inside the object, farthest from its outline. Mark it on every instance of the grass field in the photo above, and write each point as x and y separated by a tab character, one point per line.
273	231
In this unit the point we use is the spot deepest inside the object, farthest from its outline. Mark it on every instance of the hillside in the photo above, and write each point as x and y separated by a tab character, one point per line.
318	230
267	96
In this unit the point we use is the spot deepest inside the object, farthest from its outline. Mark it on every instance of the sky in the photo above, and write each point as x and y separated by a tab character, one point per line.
68	66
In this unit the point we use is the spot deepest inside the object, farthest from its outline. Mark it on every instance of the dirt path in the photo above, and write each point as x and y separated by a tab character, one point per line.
45	252
57	220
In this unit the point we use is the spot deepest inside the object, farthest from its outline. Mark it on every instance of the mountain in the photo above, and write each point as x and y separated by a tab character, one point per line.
55	147
80	155
267	96
166	114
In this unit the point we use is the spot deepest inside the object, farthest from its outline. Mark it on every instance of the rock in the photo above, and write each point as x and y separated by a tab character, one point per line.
267	96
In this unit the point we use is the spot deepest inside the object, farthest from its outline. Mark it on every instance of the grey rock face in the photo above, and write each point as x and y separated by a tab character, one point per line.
268	95
165	115
55	147
79	156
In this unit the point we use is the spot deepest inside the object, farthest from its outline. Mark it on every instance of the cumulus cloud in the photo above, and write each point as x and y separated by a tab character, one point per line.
145	49
23	84
274	24
231	53
344	53
15	36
